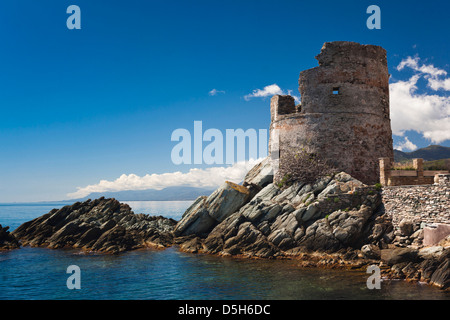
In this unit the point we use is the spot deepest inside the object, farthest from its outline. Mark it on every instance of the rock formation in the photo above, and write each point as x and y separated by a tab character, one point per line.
103	225
333	213
336	221
7	240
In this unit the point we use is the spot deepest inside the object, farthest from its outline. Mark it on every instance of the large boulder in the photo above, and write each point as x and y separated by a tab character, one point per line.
206	212
399	255
226	200
196	220
260	175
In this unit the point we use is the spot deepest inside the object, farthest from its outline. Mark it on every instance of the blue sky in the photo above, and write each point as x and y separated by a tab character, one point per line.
81	106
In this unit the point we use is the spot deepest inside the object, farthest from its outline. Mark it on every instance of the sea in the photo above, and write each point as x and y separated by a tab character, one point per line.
149	274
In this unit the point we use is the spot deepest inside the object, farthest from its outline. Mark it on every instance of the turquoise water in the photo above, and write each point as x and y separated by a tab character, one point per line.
39	273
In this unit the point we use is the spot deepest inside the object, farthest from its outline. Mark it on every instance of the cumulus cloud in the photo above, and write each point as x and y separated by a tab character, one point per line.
209	178
405	145
269	91
425	113
214	92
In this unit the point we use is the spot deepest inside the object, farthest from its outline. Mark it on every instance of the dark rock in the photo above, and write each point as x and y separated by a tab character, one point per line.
7	240
103	225
371	251
441	277
399	255
406	227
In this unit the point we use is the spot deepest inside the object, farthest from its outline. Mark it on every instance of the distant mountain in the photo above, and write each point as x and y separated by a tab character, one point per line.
430	153
167	194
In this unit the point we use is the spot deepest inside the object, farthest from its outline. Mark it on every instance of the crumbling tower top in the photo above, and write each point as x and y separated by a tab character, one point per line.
344	113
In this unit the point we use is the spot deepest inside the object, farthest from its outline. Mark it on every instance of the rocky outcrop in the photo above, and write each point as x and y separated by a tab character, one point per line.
7	240
336	221
103	225
206	212
330	214
431	264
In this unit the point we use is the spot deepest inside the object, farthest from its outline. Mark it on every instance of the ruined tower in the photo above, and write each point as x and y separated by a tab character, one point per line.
344	112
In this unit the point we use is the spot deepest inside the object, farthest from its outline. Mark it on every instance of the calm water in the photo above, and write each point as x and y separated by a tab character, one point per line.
39	273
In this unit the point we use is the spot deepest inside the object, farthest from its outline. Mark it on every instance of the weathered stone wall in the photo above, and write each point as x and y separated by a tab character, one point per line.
344	113
419	204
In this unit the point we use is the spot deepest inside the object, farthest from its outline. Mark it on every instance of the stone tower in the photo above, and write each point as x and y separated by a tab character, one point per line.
344	112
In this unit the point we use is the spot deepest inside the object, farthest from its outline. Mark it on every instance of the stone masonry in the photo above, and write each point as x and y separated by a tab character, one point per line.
344	112
418	206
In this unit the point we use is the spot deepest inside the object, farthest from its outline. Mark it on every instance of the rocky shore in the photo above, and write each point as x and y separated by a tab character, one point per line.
334	222
103	225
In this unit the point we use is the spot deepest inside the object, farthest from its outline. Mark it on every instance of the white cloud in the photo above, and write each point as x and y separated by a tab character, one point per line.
405	145
269	91
214	92
437	84
413	63
208	178
428	114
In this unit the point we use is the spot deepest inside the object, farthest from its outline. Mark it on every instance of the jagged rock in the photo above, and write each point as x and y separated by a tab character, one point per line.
7	240
191	245
289	193
205	213
340	230
196	219
104	225
312	211
441	277
279	220
236	235
226	200
260	175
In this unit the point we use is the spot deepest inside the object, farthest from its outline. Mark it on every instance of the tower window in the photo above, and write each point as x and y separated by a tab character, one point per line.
336	90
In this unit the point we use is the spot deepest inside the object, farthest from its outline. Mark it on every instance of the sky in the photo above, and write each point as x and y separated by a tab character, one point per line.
94	109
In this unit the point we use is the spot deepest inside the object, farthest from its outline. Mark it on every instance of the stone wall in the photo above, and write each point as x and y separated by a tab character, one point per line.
344	112
424	204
